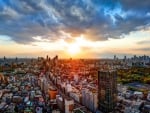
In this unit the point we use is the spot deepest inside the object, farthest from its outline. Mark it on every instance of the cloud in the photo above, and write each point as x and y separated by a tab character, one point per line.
8	13
134	5
144	42
146	50
96	19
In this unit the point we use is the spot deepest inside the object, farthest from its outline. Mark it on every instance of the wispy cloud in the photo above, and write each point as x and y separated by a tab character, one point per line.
144	42
145	49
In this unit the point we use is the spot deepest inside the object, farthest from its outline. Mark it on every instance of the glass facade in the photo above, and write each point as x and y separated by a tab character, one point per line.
107	90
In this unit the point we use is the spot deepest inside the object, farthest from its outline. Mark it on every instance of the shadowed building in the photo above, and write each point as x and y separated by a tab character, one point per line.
107	90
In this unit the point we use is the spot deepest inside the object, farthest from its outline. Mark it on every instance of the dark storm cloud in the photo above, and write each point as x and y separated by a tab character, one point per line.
96	19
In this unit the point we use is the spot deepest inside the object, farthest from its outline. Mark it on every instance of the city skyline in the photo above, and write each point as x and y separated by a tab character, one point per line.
78	29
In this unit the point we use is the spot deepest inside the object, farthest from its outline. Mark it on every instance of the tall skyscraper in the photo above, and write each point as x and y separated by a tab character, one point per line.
107	90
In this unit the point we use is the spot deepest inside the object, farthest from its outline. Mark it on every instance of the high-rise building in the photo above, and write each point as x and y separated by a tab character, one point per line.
107	90
115	57
125	58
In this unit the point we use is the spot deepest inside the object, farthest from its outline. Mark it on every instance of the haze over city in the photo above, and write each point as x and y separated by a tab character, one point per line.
74	28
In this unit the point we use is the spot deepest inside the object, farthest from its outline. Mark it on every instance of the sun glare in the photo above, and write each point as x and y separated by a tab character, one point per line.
73	49
79	42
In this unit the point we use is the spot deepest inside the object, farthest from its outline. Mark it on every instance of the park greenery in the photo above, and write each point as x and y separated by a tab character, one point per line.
134	74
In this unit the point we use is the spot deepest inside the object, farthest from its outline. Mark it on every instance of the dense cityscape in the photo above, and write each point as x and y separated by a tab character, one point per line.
54	85
74	56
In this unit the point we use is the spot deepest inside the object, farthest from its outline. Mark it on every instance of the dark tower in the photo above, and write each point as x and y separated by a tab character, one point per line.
107	90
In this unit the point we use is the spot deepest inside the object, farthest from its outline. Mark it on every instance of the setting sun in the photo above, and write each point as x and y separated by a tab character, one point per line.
73	49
